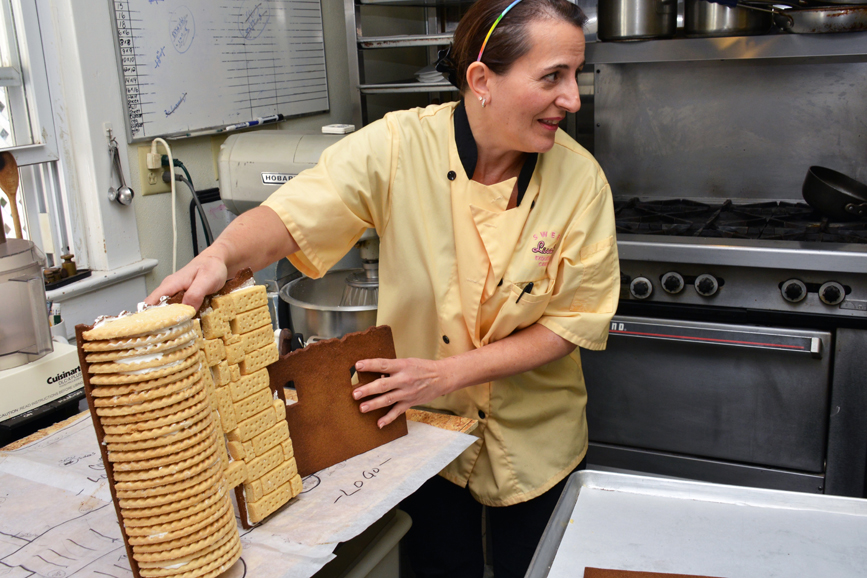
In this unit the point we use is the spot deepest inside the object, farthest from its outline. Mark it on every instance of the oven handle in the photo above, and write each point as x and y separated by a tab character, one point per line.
713	336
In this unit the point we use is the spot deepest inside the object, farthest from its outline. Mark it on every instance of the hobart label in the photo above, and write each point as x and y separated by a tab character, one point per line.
276	178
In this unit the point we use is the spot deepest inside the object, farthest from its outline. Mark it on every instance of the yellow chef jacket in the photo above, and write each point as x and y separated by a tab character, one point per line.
455	268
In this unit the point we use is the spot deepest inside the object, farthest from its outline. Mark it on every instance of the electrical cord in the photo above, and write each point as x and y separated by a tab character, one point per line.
195	202
206	196
177	163
174	195
209	236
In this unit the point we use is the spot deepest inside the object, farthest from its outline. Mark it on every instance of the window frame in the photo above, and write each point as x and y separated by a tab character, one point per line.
22	25
53	218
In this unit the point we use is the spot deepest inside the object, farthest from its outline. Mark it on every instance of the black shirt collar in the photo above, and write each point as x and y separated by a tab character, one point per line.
469	153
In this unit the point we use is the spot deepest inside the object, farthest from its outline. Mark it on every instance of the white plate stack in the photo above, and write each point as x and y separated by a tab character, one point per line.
429	74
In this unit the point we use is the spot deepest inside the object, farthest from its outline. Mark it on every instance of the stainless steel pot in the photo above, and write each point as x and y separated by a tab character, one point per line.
315	310
636	19
703	18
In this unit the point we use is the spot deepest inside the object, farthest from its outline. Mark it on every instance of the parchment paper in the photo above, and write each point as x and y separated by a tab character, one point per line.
57	520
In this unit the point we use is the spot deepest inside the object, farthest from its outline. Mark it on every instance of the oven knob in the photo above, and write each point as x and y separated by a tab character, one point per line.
832	293
706	285
672	283
641	288
793	290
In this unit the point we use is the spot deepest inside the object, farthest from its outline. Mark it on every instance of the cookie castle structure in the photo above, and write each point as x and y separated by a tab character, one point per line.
184	412
239	346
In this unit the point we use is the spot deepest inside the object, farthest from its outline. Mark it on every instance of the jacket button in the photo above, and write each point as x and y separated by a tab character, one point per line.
451	175
481	414
446	339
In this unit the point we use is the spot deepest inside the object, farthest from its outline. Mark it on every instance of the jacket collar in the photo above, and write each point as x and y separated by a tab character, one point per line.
469	152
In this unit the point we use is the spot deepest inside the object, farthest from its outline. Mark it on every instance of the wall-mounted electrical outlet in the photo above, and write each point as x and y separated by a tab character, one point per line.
151	179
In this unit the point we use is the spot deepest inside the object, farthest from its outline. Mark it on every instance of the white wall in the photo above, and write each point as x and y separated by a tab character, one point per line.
80	54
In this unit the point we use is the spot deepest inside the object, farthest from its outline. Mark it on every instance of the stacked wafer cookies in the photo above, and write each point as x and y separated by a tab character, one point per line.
148	386
238	347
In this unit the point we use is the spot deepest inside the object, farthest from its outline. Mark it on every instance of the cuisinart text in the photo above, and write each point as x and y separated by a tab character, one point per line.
65	376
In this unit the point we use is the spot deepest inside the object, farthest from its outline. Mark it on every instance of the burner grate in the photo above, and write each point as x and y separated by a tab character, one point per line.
774	220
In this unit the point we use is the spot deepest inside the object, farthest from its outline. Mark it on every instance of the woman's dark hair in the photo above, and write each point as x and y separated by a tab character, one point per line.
510	40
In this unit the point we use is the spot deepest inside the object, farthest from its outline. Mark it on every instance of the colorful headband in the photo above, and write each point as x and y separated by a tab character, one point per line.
491	31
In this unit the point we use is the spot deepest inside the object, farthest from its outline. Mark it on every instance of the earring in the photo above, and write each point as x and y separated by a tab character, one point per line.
484	100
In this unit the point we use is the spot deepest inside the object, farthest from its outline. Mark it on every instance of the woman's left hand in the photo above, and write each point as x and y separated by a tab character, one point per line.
407	382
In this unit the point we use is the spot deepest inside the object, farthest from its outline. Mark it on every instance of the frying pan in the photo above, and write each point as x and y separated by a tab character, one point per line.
835	195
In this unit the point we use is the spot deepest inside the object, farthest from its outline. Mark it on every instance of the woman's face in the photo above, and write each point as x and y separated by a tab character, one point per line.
540	87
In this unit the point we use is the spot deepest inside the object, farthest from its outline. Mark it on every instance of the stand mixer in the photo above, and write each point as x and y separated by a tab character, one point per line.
362	287
39	378
252	166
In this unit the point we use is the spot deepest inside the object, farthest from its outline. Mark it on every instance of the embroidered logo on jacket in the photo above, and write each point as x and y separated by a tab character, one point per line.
546	241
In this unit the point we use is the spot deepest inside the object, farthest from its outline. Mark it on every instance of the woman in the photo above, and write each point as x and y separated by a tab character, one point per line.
497	259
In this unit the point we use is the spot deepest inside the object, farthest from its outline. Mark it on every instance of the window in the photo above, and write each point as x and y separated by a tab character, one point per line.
27	131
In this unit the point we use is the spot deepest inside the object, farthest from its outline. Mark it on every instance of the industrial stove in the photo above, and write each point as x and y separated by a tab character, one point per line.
737	354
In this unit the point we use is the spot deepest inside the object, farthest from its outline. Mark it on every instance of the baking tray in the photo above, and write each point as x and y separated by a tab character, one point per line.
627	522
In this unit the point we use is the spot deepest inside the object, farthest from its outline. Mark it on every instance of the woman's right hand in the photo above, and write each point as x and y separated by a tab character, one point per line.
255	239
202	276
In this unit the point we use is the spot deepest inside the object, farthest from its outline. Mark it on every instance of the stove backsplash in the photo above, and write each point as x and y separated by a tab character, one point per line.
734	129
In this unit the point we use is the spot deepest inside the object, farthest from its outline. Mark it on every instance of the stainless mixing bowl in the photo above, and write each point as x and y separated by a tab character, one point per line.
314	306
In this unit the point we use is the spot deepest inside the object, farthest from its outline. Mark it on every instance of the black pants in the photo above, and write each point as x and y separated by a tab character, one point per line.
446	535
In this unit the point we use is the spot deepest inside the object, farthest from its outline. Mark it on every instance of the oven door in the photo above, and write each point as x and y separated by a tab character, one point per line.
717	402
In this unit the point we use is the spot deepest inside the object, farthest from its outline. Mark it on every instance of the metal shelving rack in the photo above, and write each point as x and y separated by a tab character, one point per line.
809	47
436	37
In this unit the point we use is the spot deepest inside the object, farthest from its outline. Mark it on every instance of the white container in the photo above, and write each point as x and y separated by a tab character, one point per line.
24	332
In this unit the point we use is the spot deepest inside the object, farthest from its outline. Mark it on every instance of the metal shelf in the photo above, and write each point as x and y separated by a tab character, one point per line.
410	86
415	3
406	87
404	41
771	46
850	46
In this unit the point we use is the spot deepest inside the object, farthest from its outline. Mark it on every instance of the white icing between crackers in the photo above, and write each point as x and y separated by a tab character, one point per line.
158	368
143	349
158	334
140	358
251	282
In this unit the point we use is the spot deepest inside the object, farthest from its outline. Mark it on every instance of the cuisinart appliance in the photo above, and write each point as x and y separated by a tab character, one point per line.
38	377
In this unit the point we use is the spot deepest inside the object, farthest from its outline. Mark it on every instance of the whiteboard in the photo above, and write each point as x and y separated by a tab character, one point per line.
193	65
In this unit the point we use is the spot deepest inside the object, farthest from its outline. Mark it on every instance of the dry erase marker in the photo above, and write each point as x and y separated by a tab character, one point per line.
258	121
241	125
